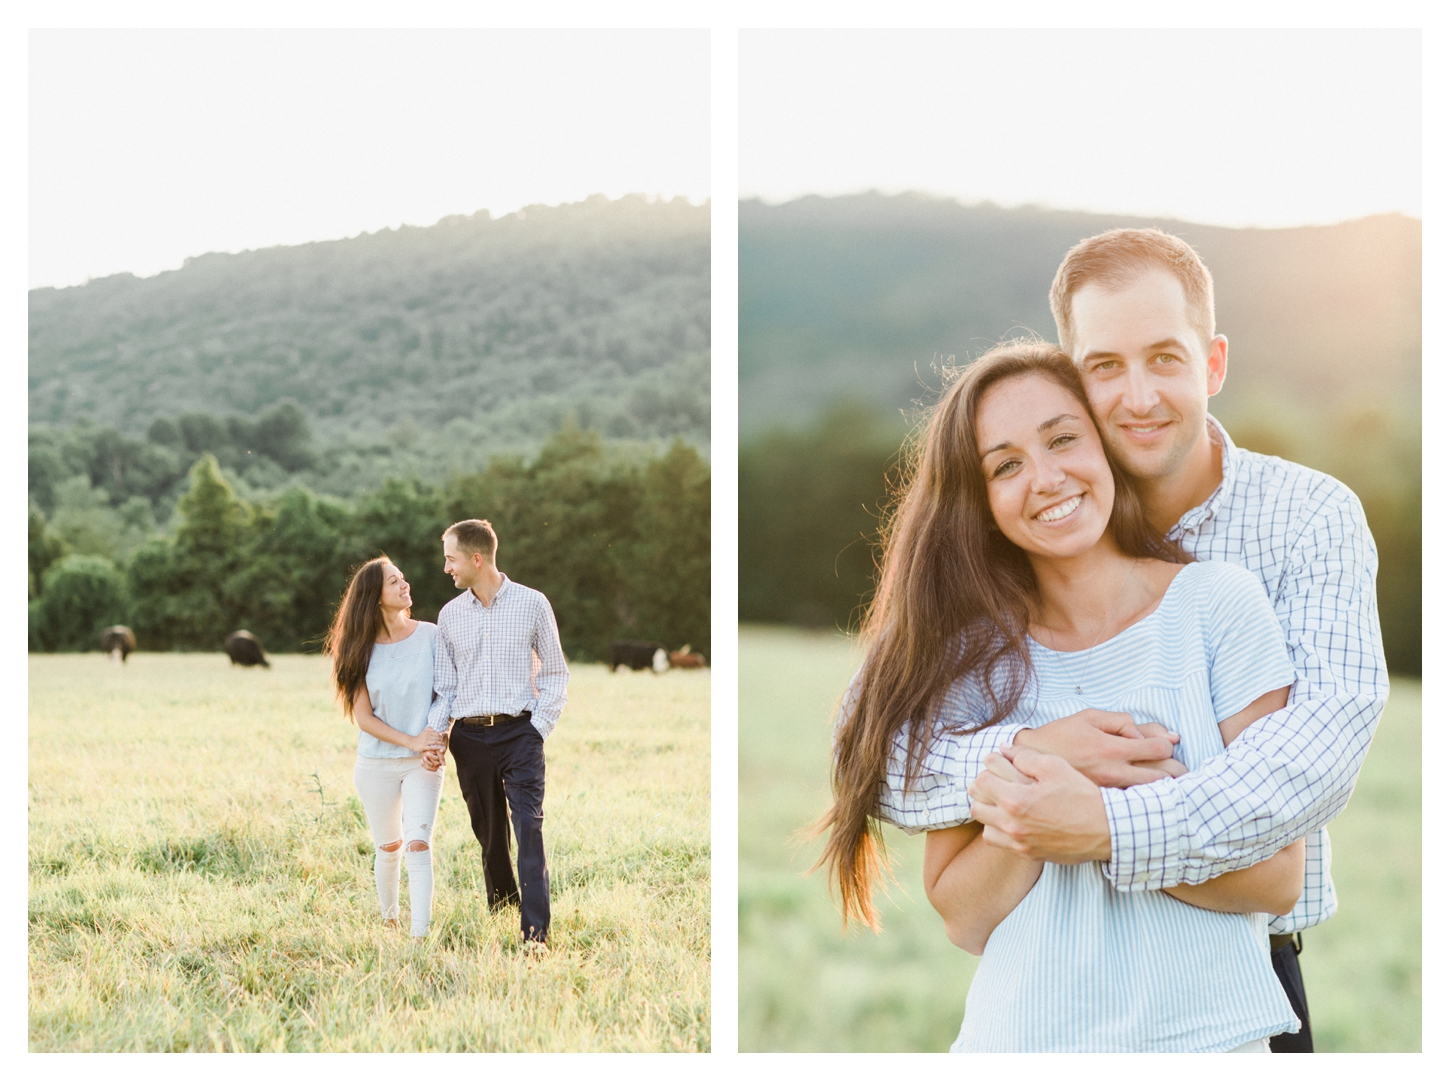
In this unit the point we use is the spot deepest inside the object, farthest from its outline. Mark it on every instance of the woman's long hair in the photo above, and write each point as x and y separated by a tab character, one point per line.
355	627
955	599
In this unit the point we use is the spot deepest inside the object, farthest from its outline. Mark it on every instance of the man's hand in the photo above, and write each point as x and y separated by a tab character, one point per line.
433	758
1038	805
1107	748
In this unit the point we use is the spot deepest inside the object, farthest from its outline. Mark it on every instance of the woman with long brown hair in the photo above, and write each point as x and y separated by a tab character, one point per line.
382	670
1022	582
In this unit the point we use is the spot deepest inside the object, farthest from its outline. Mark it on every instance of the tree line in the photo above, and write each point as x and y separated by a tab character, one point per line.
618	541
812	502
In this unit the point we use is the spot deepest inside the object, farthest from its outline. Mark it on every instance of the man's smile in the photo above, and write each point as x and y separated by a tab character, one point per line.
1144	429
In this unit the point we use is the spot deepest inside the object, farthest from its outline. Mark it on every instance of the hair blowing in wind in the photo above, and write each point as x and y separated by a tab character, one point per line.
355	627
954	599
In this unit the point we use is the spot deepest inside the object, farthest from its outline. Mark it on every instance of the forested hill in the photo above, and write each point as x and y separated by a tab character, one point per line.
847	303
481	331
853	297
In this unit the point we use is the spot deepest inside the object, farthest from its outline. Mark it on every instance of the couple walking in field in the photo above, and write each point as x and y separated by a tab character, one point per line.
488	683
1123	672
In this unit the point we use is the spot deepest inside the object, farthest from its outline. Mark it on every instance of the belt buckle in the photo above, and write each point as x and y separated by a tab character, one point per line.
491	719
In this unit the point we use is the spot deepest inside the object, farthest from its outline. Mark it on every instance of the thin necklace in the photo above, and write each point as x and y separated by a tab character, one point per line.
1077	688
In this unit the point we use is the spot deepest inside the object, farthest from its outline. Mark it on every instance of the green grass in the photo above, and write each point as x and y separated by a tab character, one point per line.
807	986
201	873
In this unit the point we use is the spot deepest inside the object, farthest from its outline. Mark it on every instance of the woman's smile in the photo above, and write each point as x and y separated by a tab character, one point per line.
1049	485
1058	511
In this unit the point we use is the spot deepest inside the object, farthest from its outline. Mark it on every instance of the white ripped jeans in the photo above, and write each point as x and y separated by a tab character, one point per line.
400	799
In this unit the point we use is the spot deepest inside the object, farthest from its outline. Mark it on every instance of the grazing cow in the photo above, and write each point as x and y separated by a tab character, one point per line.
683	658
119	642
244	648
637	655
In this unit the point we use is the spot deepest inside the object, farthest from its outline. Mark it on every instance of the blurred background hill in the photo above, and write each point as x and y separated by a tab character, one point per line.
848	304
216	446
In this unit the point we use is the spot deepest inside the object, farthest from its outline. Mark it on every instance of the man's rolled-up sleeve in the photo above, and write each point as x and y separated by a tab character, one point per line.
552	679
936	798
1291	772
445	681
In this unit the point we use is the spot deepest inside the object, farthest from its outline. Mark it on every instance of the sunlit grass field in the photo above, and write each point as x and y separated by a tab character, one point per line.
201	873
806	986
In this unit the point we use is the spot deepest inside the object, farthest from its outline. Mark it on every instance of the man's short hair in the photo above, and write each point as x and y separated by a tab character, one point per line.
474	535
1115	258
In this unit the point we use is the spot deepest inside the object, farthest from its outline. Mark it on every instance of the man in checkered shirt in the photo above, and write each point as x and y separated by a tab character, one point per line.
499	677
1134	309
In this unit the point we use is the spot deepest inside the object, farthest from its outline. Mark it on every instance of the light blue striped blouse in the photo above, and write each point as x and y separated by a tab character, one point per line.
400	687
1081	966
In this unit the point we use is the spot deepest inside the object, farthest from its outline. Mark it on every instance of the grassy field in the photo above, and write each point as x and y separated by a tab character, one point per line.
201	873
806	986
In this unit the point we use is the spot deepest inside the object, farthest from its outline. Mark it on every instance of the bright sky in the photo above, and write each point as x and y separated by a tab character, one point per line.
1228	127
149	146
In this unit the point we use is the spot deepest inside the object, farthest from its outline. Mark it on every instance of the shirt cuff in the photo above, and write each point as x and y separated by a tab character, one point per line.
939	799
542	726
1145	824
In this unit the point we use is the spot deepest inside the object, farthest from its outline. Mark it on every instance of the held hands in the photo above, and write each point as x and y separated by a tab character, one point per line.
1107	748
430	744
1038	805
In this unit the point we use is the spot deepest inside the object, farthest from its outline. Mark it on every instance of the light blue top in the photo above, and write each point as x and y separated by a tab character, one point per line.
400	686
1081	966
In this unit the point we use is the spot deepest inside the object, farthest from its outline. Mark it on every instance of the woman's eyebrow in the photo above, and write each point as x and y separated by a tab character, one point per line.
1046	424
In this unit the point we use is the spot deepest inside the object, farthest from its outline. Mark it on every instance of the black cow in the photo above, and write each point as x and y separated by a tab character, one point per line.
637	655
119	642
244	648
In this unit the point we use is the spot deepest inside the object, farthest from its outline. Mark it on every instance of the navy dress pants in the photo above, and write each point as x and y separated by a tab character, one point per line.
1286	967
501	775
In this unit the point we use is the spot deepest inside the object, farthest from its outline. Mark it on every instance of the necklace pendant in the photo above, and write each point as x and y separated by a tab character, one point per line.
1078	690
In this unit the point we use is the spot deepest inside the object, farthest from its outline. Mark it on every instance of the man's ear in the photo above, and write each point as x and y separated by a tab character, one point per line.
1217	364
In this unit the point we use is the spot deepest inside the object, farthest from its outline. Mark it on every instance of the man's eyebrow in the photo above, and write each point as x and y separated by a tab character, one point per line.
1046	424
1108	354
1168	343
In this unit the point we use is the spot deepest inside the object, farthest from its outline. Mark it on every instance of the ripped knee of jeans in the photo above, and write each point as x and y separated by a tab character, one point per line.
390	847
417	846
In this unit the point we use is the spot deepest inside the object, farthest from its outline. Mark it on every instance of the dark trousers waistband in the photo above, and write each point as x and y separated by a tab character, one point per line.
1278	942
488	720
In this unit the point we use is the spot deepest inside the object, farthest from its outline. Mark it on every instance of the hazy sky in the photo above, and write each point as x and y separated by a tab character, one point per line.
1230	127
148	146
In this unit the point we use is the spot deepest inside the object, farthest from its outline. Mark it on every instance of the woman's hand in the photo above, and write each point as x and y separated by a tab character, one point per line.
425	740
1107	748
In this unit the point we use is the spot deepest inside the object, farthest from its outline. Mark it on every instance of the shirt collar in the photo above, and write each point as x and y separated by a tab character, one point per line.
1231	463
502	586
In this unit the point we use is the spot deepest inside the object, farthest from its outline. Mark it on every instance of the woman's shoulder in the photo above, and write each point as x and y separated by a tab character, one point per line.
422	634
1215	579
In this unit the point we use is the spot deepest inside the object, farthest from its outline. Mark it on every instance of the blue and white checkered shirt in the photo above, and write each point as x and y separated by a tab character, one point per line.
503	657
1304	536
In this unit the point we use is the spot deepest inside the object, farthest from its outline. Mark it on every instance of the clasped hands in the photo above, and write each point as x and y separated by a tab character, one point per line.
431	744
1038	796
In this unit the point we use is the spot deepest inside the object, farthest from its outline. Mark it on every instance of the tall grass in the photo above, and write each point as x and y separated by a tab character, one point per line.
807	986
201	873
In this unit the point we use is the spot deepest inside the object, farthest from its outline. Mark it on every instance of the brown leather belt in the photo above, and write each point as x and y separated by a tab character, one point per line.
488	720
1278	942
